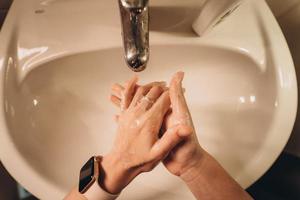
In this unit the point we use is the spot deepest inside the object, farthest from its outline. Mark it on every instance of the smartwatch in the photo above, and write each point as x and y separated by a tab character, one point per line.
89	178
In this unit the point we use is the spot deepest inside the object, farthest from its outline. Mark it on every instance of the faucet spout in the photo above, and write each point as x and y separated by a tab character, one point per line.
135	31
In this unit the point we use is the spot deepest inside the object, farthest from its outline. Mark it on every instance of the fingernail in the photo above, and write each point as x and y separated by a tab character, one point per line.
180	75
163	83
132	79
135	78
165	88
160	84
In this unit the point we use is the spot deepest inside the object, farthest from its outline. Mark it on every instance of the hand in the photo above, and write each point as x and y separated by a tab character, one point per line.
188	153
137	147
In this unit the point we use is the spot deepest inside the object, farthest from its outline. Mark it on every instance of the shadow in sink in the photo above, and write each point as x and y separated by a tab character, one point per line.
60	114
174	19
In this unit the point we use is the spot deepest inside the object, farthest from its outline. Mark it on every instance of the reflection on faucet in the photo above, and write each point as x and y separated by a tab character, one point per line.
135	30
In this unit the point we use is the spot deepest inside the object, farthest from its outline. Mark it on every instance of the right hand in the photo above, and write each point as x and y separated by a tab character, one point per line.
188	153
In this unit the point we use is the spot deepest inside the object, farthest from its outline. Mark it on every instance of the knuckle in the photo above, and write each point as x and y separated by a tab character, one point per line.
166	93
158	89
152	129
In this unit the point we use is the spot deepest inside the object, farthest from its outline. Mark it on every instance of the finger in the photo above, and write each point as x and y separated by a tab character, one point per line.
162	84
148	100
166	123
169	140
115	100
128	93
140	93
117	90
160	107
177	94
143	90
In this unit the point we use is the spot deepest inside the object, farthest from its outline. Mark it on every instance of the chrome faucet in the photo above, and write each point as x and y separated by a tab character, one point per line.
135	31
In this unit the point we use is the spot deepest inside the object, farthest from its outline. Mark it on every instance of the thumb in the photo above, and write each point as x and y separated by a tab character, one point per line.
169	140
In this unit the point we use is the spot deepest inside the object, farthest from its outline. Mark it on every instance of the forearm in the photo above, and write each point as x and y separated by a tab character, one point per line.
208	180
74	195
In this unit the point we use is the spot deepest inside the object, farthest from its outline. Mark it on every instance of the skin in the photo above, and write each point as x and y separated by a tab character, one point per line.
204	176
137	147
182	157
141	144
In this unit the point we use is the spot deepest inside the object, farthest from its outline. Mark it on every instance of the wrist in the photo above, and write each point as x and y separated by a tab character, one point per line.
194	170
114	176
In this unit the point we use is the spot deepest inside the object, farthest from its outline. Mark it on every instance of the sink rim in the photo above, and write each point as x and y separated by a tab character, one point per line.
283	94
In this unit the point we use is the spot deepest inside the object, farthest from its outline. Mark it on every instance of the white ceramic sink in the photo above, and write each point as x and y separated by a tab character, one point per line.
58	60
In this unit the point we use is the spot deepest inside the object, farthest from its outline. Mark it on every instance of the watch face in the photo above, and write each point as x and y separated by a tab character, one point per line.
86	175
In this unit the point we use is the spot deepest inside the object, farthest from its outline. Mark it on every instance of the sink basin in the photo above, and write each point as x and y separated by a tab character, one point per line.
240	86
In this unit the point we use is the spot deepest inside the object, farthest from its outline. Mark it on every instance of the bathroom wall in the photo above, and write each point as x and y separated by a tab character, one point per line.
4	5
287	13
